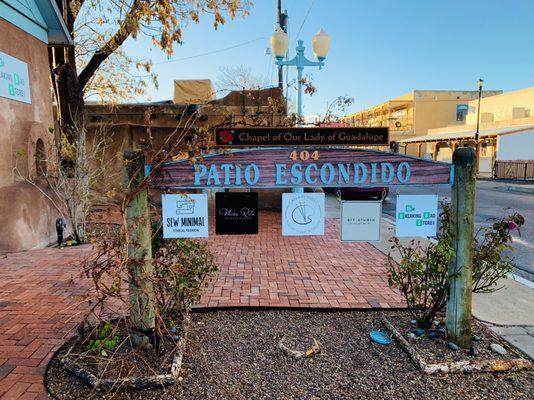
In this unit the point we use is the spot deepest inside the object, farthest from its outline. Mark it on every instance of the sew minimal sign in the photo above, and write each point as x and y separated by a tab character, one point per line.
284	168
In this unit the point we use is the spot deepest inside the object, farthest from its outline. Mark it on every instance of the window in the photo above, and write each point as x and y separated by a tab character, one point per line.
461	112
40	159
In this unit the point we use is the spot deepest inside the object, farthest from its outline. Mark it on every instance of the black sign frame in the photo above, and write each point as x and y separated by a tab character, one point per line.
320	136
236	213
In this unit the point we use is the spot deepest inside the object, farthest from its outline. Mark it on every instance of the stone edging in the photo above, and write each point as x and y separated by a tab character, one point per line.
140	382
497	365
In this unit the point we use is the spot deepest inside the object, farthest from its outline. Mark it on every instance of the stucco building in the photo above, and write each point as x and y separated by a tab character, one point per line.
506	142
27	29
414	113
127	124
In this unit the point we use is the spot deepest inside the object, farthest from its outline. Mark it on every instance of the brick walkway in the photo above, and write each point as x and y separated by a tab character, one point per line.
39	290
320	271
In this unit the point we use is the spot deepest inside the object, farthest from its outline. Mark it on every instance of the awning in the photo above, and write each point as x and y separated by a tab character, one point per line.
491	132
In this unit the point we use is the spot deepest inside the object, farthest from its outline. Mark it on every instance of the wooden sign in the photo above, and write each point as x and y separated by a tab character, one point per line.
236	213
304	167
254	137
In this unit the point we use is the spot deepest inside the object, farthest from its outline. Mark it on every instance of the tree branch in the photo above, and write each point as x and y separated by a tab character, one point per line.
127	26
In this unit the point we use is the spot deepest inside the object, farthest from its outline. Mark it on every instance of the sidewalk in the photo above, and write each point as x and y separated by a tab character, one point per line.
509	312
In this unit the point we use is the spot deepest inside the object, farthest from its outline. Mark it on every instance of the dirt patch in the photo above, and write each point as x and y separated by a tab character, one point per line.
435	350
124	361
235	355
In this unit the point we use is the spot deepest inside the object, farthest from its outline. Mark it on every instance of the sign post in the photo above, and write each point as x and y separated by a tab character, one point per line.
458	314
140	267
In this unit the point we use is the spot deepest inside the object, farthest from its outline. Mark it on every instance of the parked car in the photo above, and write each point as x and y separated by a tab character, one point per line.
359	193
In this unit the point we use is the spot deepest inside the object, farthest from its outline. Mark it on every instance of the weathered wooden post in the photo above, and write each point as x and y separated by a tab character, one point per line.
140	267
458	314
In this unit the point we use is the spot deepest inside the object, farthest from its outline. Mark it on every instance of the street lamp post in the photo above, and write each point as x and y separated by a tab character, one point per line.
279	45
480	83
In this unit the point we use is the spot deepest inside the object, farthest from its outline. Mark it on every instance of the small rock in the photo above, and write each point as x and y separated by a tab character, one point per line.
497	348
432	335
413	322
476	338
173	329
452	346
417	332
436	322
176	337
148	346
411	335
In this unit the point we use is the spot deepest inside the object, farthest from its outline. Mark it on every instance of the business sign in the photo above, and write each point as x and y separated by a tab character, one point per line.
185	215
266	136
302	214
236	213
360	221
14	79
417	215
301	167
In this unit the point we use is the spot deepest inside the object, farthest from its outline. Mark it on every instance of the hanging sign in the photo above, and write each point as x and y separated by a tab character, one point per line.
417	215
302	214
185	216
267	136
14	79
301	167
236	213
360	221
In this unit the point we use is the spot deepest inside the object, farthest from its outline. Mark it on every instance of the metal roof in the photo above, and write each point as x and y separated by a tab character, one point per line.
468	134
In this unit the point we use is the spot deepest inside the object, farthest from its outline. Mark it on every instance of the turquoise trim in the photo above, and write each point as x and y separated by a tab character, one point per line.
22	21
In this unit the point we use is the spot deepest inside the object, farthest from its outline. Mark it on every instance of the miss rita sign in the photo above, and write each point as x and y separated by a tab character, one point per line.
302	167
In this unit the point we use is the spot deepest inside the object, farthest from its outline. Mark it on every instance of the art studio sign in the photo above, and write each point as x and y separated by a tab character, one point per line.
285	168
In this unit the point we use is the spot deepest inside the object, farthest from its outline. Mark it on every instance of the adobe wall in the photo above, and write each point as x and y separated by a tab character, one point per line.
24	214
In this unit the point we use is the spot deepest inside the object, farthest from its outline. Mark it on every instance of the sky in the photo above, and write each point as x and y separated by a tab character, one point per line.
380	49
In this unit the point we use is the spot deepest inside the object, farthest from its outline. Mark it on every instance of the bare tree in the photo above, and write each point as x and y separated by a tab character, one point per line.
239	78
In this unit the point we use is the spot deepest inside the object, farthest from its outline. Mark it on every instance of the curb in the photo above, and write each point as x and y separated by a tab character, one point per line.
515	188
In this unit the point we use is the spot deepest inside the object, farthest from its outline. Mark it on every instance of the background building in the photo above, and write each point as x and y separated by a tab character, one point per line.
506	136
27	28
414	113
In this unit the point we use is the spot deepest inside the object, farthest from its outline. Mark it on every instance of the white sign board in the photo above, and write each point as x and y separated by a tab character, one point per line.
14	79
185	216
302	214
417	215
360	221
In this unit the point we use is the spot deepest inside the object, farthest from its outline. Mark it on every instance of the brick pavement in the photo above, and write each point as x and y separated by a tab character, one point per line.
311	272
40	289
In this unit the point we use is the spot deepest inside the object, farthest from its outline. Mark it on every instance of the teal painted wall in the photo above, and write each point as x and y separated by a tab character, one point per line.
25	15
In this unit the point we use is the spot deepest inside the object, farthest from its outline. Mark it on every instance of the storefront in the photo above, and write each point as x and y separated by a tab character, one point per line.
27	29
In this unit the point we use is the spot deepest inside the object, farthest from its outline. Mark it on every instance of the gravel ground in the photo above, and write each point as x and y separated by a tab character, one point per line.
235	355
437	351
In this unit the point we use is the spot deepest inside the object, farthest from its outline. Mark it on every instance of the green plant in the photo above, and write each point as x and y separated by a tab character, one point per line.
103	339
182	267
422	273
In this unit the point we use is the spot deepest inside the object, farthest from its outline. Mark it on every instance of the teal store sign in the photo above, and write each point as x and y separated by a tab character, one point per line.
14	79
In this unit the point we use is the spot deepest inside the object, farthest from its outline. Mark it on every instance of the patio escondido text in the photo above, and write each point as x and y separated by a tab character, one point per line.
313	174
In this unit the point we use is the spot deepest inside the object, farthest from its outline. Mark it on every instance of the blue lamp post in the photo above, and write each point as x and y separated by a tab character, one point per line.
279	45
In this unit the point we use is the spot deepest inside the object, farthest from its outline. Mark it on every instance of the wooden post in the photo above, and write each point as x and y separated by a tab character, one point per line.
458	315
140	268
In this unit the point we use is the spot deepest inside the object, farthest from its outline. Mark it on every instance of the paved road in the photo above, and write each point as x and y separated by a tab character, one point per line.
490	203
